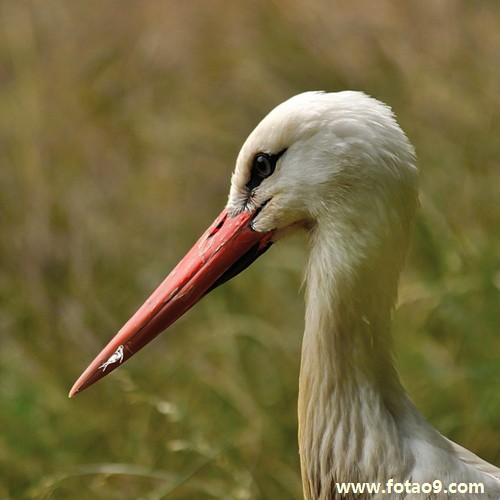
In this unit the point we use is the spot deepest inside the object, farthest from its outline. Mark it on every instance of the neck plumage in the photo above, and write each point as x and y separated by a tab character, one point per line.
352	406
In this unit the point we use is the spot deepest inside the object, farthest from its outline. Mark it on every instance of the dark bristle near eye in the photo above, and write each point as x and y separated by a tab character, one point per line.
263	166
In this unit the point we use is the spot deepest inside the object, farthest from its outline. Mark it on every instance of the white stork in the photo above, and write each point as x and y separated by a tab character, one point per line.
337	166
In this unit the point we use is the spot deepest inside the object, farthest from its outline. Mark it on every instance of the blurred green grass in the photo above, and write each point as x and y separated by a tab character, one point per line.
119	128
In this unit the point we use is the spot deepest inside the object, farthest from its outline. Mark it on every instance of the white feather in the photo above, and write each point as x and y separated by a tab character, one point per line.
349	178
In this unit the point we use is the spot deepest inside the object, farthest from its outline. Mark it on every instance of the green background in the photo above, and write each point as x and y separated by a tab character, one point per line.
119	125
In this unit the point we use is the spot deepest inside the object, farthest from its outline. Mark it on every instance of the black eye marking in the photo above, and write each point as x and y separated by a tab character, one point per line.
262	167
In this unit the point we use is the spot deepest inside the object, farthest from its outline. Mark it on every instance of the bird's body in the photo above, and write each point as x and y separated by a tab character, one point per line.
351	181
339	167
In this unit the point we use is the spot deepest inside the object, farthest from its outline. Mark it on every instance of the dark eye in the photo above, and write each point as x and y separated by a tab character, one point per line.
262	167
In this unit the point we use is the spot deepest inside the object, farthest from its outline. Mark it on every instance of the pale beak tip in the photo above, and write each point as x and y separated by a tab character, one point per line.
74	390
86	379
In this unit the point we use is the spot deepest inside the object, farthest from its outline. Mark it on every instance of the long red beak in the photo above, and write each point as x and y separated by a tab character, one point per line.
227	247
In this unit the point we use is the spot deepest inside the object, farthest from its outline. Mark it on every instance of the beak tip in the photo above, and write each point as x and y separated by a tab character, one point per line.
74	390
86	379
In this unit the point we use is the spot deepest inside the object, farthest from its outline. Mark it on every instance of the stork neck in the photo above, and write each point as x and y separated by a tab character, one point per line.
349	301
349	392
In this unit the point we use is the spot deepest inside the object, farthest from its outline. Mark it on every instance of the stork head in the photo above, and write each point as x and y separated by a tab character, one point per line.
318	160
318	157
